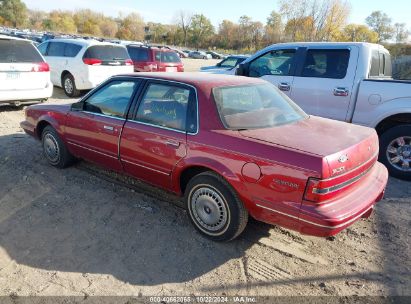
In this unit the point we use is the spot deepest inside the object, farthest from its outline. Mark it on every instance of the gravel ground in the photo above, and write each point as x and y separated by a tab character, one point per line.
85	231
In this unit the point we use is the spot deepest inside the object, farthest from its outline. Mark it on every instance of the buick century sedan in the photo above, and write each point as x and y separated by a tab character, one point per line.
233	147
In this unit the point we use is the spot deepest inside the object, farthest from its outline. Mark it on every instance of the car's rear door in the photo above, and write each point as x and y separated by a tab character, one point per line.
276	66
93	129
323	84
154	139
55	58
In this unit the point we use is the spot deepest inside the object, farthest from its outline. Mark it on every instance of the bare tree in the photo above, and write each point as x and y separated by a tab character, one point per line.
381	24
401	33
184	20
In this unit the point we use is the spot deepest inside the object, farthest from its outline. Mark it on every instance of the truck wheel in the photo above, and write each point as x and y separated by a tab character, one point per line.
214	207
69	86
54	149
395	151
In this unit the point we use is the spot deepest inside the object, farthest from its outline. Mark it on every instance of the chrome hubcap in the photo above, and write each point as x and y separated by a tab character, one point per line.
51	148
399	153
209	209
68	85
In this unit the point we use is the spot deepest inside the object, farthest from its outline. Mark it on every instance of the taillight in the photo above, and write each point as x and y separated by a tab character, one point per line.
92	61
151	67
41	67
129	62
313	190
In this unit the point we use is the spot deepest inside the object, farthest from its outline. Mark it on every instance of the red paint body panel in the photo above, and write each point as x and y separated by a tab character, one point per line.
269	168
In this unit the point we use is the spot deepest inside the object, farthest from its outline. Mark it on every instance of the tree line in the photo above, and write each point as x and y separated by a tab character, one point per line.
295	20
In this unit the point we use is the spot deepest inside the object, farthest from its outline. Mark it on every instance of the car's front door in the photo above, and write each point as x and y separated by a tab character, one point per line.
277	67
323	85
93	131
154	140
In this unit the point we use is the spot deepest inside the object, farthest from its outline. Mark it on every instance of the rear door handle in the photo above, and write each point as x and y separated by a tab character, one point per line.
108	128
173	143
340	91
284	86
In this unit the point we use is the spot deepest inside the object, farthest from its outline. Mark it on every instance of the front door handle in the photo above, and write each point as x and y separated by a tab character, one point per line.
340	91
284	86
173	143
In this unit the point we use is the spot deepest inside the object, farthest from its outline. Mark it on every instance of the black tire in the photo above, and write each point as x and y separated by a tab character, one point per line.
69	86
54	149
208	195
390	147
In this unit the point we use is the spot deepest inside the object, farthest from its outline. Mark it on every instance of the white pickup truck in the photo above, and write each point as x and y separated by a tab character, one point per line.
351	82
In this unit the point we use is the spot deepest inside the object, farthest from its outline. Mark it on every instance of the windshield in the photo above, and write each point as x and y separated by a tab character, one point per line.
255	106
231	62
168	57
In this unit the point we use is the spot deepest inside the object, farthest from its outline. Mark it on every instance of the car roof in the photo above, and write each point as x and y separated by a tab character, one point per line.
198	79
84	42
5	37
238	56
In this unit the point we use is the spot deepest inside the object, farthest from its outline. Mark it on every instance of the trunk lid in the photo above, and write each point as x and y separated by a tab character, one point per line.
342	146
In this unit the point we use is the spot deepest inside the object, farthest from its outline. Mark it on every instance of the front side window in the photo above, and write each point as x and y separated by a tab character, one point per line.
255	106
165	105
112	99
276	62
326	64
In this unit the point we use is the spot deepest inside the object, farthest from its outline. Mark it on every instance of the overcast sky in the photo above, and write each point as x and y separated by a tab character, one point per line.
217	10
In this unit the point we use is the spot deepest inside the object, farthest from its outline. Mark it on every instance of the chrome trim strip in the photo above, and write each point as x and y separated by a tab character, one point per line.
156	126
80	146
145	167
342	185
103	115
315	224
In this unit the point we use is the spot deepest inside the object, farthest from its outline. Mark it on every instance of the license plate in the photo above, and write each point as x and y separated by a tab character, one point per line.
12	75
171	69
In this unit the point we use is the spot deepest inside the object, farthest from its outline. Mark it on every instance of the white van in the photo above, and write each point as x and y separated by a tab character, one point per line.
79	64
24	74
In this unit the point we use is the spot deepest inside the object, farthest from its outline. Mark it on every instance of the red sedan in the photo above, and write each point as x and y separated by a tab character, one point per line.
232	146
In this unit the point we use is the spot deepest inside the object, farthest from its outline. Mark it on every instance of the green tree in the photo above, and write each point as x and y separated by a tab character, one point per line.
359	33
401	33
274	28
131	28
13	12
60	21
201	29
381	24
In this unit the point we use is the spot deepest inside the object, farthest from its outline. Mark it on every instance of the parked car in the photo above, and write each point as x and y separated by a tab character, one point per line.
226	66
215	55
24	74
78	64
344	81
199	55
232	146
153	59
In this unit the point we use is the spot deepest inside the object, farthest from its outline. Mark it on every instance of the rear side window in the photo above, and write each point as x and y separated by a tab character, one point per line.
326	63
167	57
381	65
138	54
43	48
107	52
56	49
71	50
18	51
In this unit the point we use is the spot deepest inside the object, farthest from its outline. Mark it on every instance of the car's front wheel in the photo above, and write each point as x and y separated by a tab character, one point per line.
54	149
69	86
395	151
214	207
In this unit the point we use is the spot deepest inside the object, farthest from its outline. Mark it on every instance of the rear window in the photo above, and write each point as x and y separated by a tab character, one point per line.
138	54
167	57
107	52
18	51
326	63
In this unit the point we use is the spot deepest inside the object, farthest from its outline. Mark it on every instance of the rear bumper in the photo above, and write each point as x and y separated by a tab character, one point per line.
330	218
26	96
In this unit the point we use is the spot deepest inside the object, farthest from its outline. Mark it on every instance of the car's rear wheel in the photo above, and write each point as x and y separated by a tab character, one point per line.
214	207
69	86
395	151
54	149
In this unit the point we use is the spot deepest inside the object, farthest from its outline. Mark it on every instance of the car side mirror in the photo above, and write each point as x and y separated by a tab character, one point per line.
242	69
77	106
218	64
